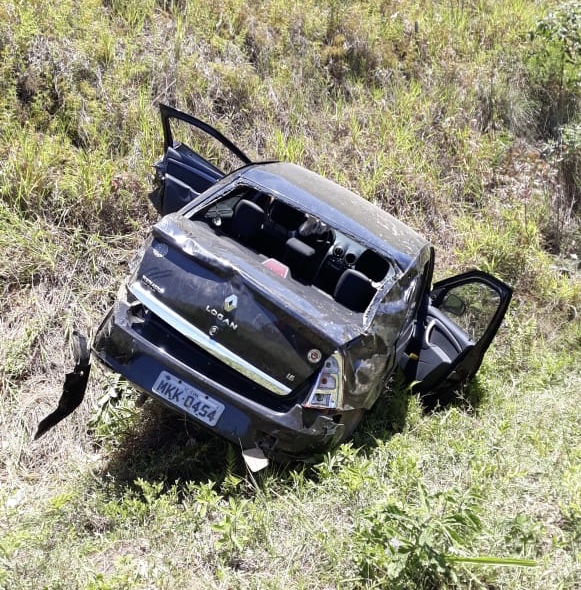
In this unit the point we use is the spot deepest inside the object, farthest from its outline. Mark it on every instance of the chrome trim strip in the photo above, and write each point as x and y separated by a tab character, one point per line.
198	337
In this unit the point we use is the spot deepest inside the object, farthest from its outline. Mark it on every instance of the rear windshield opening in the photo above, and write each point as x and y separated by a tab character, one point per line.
314	252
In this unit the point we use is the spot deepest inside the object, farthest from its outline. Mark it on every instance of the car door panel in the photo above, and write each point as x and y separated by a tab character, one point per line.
184	179
459	321
182	174
191	169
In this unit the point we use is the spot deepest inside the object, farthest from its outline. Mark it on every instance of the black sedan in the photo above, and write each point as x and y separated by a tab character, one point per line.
270	304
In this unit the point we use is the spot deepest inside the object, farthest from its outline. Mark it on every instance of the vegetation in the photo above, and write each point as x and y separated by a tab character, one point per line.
463	118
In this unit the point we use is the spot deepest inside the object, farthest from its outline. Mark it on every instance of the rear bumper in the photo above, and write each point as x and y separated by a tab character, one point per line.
122	344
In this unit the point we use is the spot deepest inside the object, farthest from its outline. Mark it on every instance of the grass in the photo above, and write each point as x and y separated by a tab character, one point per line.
158	508
461	118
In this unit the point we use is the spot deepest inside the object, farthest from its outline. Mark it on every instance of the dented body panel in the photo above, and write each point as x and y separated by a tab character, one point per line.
271	305
262	370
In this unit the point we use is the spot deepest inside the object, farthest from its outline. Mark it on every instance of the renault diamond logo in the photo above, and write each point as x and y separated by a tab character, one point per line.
230	303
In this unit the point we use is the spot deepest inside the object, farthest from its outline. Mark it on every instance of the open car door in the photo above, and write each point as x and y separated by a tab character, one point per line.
455	329
182	174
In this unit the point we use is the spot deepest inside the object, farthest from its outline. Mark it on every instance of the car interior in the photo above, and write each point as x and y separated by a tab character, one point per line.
314	252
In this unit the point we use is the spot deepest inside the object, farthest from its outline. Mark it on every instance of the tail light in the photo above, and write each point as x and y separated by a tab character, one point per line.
327	392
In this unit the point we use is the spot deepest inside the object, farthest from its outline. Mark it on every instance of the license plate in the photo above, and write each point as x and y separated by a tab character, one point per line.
184	396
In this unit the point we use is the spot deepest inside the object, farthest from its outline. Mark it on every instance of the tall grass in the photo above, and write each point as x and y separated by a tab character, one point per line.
462	118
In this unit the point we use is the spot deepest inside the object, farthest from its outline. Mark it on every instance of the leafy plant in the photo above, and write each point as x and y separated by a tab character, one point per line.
422	544
115	412
557	58
557	66
234	529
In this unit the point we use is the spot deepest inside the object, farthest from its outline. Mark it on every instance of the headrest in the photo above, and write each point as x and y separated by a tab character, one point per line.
354	290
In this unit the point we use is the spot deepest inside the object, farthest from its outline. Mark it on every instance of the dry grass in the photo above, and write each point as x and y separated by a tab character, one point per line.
434	111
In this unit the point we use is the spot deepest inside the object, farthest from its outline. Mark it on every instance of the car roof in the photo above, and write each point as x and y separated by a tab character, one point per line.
346	211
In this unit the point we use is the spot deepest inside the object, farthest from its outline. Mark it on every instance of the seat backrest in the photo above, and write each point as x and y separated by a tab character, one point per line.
287	216
372	265
298	250
354	290
300	258
248	219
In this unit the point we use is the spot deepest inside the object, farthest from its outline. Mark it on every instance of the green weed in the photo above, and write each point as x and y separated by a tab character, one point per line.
421	544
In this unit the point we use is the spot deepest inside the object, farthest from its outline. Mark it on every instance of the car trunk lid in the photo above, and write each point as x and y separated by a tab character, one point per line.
222	297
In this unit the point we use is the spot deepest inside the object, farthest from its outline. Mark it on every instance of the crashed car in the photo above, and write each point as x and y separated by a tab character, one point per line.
270	305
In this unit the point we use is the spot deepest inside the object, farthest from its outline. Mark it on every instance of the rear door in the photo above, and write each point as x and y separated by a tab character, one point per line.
455	329
182	173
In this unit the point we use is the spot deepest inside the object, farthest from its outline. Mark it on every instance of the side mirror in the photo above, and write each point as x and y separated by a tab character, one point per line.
453	304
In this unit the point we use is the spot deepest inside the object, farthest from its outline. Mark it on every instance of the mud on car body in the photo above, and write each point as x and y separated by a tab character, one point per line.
270	304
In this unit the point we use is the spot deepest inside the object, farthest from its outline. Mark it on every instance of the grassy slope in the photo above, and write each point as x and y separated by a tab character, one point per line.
439	112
